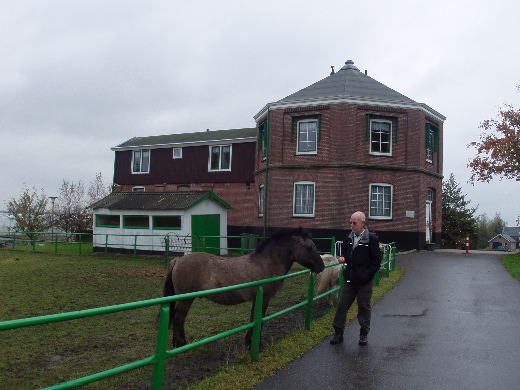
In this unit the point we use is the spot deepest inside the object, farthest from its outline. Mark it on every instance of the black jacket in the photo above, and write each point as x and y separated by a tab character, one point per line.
363	261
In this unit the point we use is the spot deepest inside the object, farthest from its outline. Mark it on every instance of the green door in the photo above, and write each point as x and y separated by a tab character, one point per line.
204	226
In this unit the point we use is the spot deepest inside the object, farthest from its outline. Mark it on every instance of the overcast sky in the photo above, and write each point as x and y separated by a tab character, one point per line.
79	77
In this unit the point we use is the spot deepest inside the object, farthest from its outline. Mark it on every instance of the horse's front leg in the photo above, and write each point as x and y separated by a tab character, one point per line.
179	317
249	333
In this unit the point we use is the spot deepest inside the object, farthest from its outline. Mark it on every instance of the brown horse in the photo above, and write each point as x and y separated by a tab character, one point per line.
203	271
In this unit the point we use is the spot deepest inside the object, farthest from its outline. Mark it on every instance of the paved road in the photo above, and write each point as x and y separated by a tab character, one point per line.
452	322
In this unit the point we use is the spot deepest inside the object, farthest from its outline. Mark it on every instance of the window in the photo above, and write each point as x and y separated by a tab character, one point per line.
380	137
167	222
177	152
138	189
136	221
303	199
307	137
262	140
261	197
141	161
432	141
109	221
380	201
220	158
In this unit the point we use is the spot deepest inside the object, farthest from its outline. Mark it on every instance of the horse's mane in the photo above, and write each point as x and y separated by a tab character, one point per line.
279	235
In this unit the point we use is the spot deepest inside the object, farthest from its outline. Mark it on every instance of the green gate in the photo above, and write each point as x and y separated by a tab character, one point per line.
207	226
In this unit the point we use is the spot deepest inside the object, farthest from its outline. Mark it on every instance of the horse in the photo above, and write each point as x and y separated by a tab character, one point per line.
329	278
200	271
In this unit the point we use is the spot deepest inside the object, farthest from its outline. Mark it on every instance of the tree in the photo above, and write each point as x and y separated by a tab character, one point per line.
457	218
487	229
29	212
498	154
74	214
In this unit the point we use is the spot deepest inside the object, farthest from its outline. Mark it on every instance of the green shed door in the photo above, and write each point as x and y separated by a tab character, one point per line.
203	226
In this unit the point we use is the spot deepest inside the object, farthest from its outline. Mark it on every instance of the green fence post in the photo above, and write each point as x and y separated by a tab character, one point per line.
135	247
257	328
310	300
34	242
55	242
160	347
80	239
333	246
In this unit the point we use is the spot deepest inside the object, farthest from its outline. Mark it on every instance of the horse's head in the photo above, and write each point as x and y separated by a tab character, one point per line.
306	254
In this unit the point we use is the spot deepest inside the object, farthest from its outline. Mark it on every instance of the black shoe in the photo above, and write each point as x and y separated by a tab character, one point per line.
337	338
363	339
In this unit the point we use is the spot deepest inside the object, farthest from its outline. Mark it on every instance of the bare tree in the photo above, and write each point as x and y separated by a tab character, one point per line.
29	212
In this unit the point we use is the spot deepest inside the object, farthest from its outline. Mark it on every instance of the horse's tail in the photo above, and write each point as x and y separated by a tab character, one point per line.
169	289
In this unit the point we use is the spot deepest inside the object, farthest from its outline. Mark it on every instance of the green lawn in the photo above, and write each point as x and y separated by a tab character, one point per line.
512	264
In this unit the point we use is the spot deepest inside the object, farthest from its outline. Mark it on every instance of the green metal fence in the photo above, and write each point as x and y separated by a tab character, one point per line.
161	348
161	352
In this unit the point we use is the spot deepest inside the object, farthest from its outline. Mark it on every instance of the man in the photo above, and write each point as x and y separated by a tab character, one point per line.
362	258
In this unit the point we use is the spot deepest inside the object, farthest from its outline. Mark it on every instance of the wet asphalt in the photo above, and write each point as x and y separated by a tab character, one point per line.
452	322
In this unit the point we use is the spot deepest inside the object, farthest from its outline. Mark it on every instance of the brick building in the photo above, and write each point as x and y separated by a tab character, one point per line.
343	144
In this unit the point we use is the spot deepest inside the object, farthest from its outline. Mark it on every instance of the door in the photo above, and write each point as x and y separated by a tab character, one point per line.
205	230
429	202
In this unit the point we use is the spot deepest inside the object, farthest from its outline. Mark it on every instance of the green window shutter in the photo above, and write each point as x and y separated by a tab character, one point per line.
436	139
292	128
396	129
260	137
367	131
319	127
427	136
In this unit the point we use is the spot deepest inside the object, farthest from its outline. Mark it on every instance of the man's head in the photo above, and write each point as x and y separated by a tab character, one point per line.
357	222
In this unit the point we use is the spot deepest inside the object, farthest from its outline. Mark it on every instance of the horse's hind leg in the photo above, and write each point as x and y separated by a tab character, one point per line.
179	317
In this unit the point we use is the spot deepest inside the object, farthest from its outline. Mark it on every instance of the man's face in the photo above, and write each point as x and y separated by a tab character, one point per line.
356	224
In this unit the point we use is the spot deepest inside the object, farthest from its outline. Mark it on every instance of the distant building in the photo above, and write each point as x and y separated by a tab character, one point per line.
6	221
508	239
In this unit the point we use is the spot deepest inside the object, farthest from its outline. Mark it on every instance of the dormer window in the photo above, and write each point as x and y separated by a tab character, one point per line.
141	161
220	158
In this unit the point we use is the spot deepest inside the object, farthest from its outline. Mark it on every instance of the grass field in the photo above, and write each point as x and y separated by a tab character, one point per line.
40	283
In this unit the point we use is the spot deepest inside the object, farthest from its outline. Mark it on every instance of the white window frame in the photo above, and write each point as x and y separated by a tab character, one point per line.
298	202
376	153
141	161
298	140
176	153
261	197
219	169
389	208
138	189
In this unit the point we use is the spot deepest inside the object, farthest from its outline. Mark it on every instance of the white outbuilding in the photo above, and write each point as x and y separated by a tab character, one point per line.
154	222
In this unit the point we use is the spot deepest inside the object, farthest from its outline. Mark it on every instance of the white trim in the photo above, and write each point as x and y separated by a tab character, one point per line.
220	156
149	162
380	217
188	143
391	134
313	199
261	197
298	136
173	153
341	100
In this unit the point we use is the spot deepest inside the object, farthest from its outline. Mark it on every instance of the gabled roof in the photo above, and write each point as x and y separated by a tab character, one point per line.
181	200
513	231
351	86
187	139
506	237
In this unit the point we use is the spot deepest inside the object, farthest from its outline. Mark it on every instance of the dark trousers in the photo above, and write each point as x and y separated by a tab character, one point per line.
347	296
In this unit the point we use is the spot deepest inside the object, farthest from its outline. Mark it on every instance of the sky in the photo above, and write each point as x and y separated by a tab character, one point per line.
80	77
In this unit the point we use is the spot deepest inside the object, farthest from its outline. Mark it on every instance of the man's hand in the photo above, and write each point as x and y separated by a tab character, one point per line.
341	259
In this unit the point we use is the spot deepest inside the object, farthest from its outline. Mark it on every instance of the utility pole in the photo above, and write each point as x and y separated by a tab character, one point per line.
53	199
